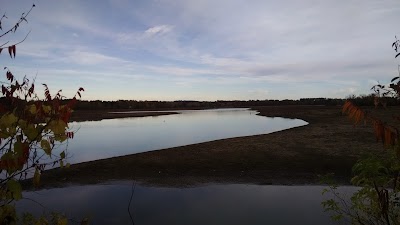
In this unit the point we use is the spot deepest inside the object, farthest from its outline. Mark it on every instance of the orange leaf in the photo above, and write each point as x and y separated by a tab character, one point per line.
379	130
346	106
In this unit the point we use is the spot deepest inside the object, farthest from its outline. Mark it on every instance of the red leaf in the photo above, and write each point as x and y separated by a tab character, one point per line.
10	51
9	75
66	116
3	89
379	131
14	50
31	90
47	92
71	103
70	135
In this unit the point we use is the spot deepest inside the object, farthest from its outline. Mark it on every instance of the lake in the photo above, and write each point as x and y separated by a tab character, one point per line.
210	204
115	137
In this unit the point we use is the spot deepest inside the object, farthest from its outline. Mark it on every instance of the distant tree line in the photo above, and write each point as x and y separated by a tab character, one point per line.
186	104
362	100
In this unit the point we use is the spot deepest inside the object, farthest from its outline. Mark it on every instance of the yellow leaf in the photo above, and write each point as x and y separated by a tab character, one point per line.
46	109
62	221
22	123
15	188
42	221
31	132
61	137
7	211
85	221
57	126
36	178
8	119
32	109
46	146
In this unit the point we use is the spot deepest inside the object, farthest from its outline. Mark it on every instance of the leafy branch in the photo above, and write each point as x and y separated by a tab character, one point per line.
12	48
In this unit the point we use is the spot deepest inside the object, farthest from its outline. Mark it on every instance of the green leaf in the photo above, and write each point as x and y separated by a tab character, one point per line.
7	211
46	146
15	188
22	123
18	147
337	217
62	155
61	138
8	119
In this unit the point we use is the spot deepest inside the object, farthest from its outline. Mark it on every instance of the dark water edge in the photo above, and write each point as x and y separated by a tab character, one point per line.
108	203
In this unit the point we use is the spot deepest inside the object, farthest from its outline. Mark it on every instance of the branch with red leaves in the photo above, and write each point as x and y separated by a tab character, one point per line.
389	135
12	48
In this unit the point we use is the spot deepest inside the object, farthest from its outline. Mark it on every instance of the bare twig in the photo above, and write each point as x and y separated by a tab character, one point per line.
23	18
130	201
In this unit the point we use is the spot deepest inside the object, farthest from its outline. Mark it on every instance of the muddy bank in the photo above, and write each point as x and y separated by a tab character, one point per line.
328	144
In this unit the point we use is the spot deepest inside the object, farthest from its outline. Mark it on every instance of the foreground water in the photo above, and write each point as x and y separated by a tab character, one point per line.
116	137
211	204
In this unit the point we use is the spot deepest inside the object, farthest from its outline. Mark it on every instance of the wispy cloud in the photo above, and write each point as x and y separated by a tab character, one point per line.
91	58
158	30
194	48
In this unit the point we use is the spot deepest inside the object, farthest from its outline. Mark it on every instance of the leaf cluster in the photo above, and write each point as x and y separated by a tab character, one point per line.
378	175
31	128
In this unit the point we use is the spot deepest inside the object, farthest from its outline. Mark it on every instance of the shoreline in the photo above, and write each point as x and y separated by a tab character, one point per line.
97	115
328	144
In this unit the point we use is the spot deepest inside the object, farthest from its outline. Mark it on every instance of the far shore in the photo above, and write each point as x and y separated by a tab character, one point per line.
328	144
96	115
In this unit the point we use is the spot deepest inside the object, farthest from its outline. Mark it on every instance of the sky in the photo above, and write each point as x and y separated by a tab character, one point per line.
204	50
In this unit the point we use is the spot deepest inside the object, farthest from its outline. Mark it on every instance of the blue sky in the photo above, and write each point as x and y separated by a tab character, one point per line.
205	50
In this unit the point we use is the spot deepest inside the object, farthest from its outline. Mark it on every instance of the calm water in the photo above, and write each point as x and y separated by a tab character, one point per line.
210	204
213	204
115	137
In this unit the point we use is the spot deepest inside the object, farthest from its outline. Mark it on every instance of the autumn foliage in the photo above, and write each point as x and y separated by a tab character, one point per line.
377	174
31	128
387	134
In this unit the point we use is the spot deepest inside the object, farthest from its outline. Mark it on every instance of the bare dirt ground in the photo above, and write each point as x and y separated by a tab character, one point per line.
328	144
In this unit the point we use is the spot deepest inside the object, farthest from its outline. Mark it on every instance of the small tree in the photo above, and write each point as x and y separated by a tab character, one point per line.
378	175
30	129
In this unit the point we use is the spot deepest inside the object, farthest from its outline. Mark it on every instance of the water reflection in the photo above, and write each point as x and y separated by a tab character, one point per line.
213	204
115	137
